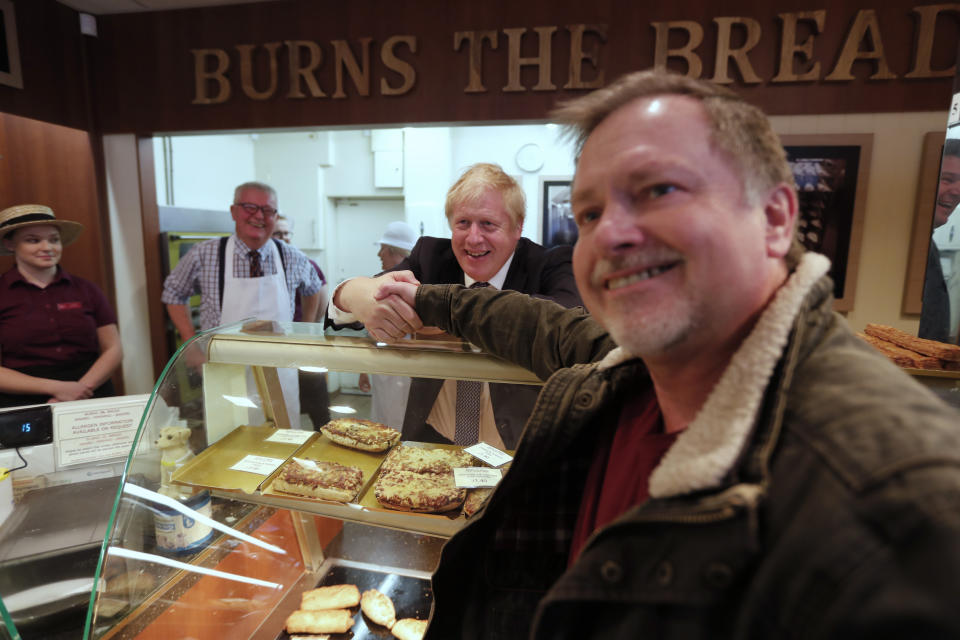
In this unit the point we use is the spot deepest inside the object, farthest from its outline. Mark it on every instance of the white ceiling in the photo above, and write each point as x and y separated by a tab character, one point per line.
103	7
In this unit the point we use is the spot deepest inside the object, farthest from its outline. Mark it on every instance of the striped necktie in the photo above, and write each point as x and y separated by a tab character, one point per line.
256	268
467	430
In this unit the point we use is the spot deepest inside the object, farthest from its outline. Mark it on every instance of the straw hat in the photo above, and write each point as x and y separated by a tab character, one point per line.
25	215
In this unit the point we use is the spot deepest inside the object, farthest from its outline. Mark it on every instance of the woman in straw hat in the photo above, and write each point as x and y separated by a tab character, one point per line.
58	334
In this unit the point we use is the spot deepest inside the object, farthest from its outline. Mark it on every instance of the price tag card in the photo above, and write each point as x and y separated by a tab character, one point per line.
491	455
261	465
475	477
290	436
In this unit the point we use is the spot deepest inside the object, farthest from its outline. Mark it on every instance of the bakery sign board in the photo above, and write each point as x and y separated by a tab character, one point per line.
810	46
306	63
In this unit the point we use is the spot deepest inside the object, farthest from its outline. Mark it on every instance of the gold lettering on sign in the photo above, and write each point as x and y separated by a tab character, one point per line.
864	25
662	53
790	49
344	59
578	55
201	76
246	70
924	46
475	40
299	72
725	53
402	67
542	61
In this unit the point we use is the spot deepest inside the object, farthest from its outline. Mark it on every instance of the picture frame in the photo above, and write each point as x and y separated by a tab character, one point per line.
558	226
10	72
922	230
832	173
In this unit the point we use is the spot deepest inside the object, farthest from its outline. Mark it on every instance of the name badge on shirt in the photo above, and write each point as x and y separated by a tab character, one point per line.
69	306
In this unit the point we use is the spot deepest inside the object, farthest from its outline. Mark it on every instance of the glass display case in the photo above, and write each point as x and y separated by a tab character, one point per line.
201	545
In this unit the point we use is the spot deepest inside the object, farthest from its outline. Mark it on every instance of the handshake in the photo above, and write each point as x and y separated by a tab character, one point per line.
383	304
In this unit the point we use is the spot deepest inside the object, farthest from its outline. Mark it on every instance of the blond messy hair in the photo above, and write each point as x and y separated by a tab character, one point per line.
476	180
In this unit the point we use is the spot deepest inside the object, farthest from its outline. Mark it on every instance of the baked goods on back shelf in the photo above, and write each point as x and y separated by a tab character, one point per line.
900	356
906	350
941	350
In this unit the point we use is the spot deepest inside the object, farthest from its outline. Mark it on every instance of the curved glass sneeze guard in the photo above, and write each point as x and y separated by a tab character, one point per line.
197	544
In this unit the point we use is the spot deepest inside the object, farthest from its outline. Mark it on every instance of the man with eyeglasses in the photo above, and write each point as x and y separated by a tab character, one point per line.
245	275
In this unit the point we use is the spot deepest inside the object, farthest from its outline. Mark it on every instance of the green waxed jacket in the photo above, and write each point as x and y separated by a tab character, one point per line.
837	515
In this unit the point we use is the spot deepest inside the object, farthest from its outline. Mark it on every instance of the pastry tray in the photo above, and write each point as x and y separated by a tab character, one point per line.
210	469
411	596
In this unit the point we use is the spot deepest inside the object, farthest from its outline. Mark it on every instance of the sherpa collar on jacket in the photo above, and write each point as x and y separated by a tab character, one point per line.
706	450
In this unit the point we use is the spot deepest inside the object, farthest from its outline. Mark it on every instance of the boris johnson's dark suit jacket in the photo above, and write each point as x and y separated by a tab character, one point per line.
540	272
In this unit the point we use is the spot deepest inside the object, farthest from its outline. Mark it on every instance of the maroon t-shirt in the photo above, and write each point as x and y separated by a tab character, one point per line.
619	475
51	326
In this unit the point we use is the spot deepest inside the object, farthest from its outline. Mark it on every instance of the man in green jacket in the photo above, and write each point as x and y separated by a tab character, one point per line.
714	453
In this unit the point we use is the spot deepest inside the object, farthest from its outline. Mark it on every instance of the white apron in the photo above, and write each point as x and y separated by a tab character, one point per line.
264	298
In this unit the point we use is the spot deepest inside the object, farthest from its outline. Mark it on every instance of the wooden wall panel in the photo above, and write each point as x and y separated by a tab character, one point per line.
55	86
53	165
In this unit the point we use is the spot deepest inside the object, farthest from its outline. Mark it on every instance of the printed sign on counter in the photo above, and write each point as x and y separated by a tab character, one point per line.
491	455
92	431
261	465
476	477
290	436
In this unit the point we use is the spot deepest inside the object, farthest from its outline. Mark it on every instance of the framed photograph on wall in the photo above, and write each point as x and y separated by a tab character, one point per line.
556	214
831	172
9	51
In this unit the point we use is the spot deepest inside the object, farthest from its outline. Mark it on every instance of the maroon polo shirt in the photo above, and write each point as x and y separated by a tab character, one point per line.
620	474
51	326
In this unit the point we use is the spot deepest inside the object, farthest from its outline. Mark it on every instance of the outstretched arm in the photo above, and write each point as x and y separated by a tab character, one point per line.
539	335
385	317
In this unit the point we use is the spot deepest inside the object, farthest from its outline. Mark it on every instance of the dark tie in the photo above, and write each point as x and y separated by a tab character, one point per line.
256	269
468	404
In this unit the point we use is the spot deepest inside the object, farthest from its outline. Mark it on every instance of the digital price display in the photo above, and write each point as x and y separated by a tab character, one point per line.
25	427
